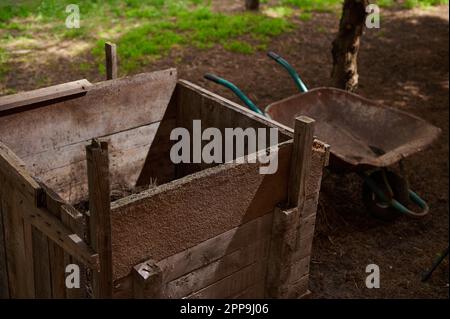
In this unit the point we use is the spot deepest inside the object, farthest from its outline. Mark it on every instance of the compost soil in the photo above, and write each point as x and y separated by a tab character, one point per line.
404	65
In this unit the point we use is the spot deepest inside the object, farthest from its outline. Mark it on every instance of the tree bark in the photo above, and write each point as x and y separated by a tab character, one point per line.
252	4
346	45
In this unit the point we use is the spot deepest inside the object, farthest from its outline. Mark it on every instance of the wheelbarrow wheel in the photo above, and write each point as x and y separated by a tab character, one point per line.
399	190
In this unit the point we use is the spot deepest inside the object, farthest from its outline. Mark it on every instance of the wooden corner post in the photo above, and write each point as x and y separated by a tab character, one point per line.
287	275
100	216
301	160
111	61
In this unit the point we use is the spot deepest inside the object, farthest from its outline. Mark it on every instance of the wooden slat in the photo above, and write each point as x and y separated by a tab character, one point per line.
254	252
282	247
201	255
212	202
301	160
111	61
53	203
130	150
231	285
21	281
18	190
215	248
73	219
4	285
15	101
214	107
137	101
14	171
53	228
41	263
100	216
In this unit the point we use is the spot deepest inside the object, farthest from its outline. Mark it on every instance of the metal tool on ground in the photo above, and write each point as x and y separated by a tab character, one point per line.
439	259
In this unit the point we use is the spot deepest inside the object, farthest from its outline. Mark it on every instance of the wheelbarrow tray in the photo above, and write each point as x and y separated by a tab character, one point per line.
362	134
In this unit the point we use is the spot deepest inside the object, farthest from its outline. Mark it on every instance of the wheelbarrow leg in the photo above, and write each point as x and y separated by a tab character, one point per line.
385	192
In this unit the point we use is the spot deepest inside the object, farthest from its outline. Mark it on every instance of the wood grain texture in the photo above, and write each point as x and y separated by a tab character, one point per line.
42	268
100	216
129	151
15	172
301	160
20	275
15	101
211	202
108	107
4	285
111	60
61	235
203	257
74	220
216	271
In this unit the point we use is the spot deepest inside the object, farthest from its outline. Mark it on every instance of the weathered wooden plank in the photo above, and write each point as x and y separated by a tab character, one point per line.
4	285
215	248
73	219
21	281
15	101
255	291
111	61
319	160
28	247
202	254
137	101
41	264
283	244
221	112
218	270
57	269
213	201
301	160
53	203
62	236
100	216
195	103
64	169
14	171
231	285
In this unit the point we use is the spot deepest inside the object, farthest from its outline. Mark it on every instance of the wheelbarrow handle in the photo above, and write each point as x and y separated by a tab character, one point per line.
236	90
285	64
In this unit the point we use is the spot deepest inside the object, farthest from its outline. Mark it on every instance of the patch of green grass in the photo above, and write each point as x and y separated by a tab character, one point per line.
331	5
423	3
239	47
145	30
4	69
279	11
198	26
305	16
385	3
314	5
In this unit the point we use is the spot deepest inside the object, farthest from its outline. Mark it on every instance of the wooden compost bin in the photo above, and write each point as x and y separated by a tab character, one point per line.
200	231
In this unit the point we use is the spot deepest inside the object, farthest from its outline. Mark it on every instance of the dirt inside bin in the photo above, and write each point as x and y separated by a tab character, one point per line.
117	193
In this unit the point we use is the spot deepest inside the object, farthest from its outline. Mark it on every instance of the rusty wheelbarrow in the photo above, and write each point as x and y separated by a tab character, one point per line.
365	138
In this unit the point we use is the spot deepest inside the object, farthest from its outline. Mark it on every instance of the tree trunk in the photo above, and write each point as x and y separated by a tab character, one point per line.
252	4
346	45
